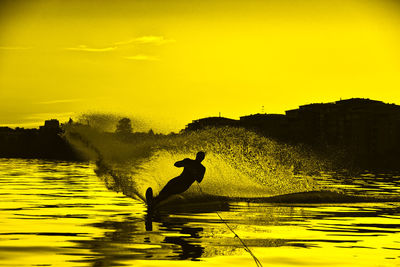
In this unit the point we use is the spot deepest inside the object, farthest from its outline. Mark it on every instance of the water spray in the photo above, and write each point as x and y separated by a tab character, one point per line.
104	168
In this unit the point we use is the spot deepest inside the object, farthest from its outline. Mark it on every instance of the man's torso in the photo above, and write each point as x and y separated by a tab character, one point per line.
192	170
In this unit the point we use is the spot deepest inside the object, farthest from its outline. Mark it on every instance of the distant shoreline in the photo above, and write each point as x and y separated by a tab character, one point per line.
357	132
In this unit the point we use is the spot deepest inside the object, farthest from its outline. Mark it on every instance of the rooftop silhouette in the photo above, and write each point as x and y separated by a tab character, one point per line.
45	142
367	129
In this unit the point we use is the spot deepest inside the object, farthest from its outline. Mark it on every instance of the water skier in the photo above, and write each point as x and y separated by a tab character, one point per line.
193	171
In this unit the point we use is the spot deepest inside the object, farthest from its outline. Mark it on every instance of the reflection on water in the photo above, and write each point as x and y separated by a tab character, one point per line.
368	184
60	214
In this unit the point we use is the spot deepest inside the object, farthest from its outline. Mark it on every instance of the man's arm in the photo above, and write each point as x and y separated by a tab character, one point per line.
181	163
201	176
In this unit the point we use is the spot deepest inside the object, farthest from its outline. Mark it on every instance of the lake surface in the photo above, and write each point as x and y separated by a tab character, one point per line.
61	214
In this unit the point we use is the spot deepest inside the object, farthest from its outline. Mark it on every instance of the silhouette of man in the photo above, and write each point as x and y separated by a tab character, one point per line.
193	171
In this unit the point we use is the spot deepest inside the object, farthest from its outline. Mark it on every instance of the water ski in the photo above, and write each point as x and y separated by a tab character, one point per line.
149	198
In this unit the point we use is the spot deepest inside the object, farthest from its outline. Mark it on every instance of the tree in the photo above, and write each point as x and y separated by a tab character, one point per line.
124	126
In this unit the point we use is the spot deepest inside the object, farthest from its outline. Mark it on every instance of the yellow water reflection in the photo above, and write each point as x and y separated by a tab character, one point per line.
60	214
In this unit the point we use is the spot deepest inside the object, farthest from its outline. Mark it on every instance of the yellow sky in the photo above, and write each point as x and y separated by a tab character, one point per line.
168	62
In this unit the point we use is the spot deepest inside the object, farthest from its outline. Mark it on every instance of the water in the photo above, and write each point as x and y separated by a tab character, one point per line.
61	214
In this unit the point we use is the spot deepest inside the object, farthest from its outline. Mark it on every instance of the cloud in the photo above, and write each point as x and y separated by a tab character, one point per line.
85	48
130	41
142	57
42	116
58	101
150	39
153	40
15	47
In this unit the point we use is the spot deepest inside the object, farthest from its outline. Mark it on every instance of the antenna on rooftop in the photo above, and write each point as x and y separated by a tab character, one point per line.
220	114
262	109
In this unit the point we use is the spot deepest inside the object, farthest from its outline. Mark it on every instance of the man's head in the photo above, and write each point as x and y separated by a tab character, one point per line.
200	156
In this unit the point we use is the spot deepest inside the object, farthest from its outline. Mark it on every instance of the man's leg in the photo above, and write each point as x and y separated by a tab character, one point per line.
173	187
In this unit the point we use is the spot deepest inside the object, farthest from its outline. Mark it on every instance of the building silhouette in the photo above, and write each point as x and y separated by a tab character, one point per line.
52	125
210	122
271	125
366	129
363	126
45	142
